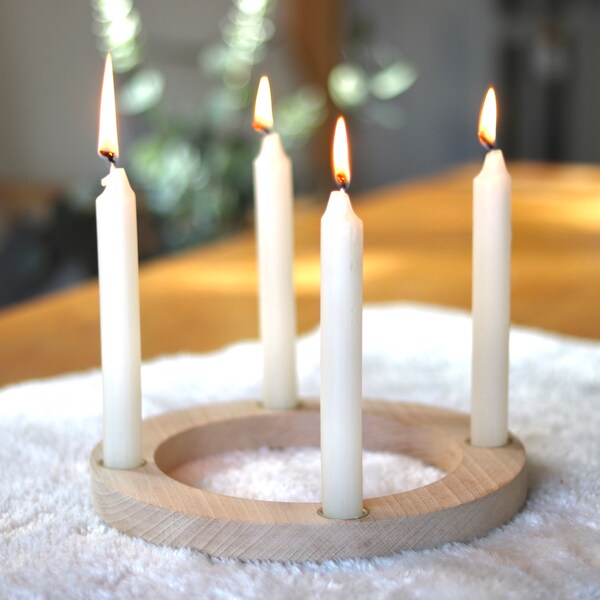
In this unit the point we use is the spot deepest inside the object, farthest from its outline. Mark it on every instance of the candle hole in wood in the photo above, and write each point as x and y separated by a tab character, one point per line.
365	513
142	464
509	441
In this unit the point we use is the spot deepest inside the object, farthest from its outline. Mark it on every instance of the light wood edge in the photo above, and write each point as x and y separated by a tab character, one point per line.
483	489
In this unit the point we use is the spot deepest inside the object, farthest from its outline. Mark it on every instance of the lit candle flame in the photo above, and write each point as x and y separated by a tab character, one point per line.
341	155
487	120
263	111
108	143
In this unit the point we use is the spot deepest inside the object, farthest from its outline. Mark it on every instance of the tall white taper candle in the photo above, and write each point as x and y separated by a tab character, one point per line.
273	199
490	293
341	353
119	300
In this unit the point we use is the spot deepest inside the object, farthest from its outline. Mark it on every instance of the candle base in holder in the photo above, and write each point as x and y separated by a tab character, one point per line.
483	487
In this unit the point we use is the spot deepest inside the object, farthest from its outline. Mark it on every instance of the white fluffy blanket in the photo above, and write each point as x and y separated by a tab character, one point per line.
52	545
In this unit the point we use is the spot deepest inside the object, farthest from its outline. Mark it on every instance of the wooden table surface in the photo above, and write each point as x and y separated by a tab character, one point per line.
417	248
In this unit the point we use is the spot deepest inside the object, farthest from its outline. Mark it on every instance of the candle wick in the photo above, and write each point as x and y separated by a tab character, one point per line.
110	156
486	143
342	182
264	129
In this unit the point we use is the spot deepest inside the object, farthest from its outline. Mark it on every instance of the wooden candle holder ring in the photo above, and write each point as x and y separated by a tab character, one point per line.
483	487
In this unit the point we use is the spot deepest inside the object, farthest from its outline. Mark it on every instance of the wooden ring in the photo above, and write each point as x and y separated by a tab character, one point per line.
483	487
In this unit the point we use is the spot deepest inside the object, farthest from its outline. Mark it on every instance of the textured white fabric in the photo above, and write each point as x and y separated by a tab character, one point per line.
294	474
52	545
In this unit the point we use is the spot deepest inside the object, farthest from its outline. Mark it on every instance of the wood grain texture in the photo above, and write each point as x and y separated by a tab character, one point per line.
483	487
417	248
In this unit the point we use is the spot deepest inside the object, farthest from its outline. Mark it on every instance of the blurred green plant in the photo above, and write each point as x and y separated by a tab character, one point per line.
195	173
371	74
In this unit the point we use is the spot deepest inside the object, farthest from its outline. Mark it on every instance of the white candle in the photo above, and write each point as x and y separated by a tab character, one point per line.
341	347
273	199
491	290
119	299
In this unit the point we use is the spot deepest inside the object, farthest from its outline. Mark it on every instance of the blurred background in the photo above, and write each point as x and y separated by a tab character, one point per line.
410	76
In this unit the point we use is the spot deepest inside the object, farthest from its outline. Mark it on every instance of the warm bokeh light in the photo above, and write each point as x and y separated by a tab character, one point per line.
341	154
108	142
487	120
263	111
